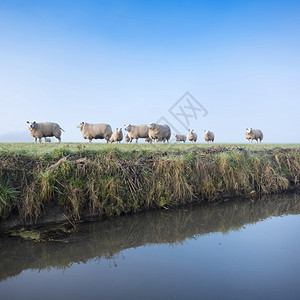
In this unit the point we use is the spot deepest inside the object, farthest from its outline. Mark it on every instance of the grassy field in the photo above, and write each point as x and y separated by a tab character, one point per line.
44	148
117	179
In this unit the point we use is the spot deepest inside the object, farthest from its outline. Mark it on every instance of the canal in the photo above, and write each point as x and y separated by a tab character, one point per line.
237	249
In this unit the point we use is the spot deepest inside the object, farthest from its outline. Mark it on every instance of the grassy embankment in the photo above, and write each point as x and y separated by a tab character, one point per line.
111	180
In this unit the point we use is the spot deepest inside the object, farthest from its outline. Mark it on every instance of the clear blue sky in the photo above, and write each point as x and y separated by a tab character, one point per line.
122	62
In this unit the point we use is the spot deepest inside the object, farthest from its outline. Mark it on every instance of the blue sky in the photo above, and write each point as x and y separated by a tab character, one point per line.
122	62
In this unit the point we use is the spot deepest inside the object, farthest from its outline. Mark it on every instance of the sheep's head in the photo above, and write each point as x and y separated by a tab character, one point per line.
80	126
32	125
191	131
127	127
151	125
249	130
120	130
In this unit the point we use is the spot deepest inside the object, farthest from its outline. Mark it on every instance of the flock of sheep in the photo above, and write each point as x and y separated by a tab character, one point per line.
150	133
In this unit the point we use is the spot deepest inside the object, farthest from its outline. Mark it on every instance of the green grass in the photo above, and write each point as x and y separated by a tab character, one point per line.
118	179
44	148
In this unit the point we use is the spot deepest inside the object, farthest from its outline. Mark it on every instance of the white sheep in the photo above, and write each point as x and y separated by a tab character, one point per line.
209	136
192	136
43	130
159	132
117	136
180	137
254	134
136	131
126	138
95	131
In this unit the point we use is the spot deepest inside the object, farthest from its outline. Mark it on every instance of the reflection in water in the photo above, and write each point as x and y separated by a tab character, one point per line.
108	238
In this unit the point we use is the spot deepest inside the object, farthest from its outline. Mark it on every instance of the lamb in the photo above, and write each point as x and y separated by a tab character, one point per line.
136	131
192	136
148	140
44	129
254	134
159	132
209	136
180	137
126	138
117	136
95	131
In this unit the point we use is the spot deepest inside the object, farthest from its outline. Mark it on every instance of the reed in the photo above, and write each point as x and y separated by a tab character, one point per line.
108	180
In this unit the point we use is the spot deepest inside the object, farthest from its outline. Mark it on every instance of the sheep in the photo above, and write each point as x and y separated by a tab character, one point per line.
95	131
120	135
136	131
126	138
148	140
254	134
159	132
114	136
47	140
180	137
117	136
43	130
192	136
209	136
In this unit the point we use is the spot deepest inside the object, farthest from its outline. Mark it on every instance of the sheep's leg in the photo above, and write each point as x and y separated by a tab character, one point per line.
35	139
91	141
59	139
40	140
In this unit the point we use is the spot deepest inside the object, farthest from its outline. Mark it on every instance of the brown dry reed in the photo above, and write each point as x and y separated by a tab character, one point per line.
112	182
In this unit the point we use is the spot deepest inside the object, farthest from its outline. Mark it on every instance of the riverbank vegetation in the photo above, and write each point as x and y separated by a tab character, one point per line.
108	180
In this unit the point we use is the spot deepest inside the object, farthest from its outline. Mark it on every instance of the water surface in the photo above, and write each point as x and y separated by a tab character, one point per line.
243	249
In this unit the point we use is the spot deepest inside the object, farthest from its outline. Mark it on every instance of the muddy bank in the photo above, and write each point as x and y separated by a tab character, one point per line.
74	185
